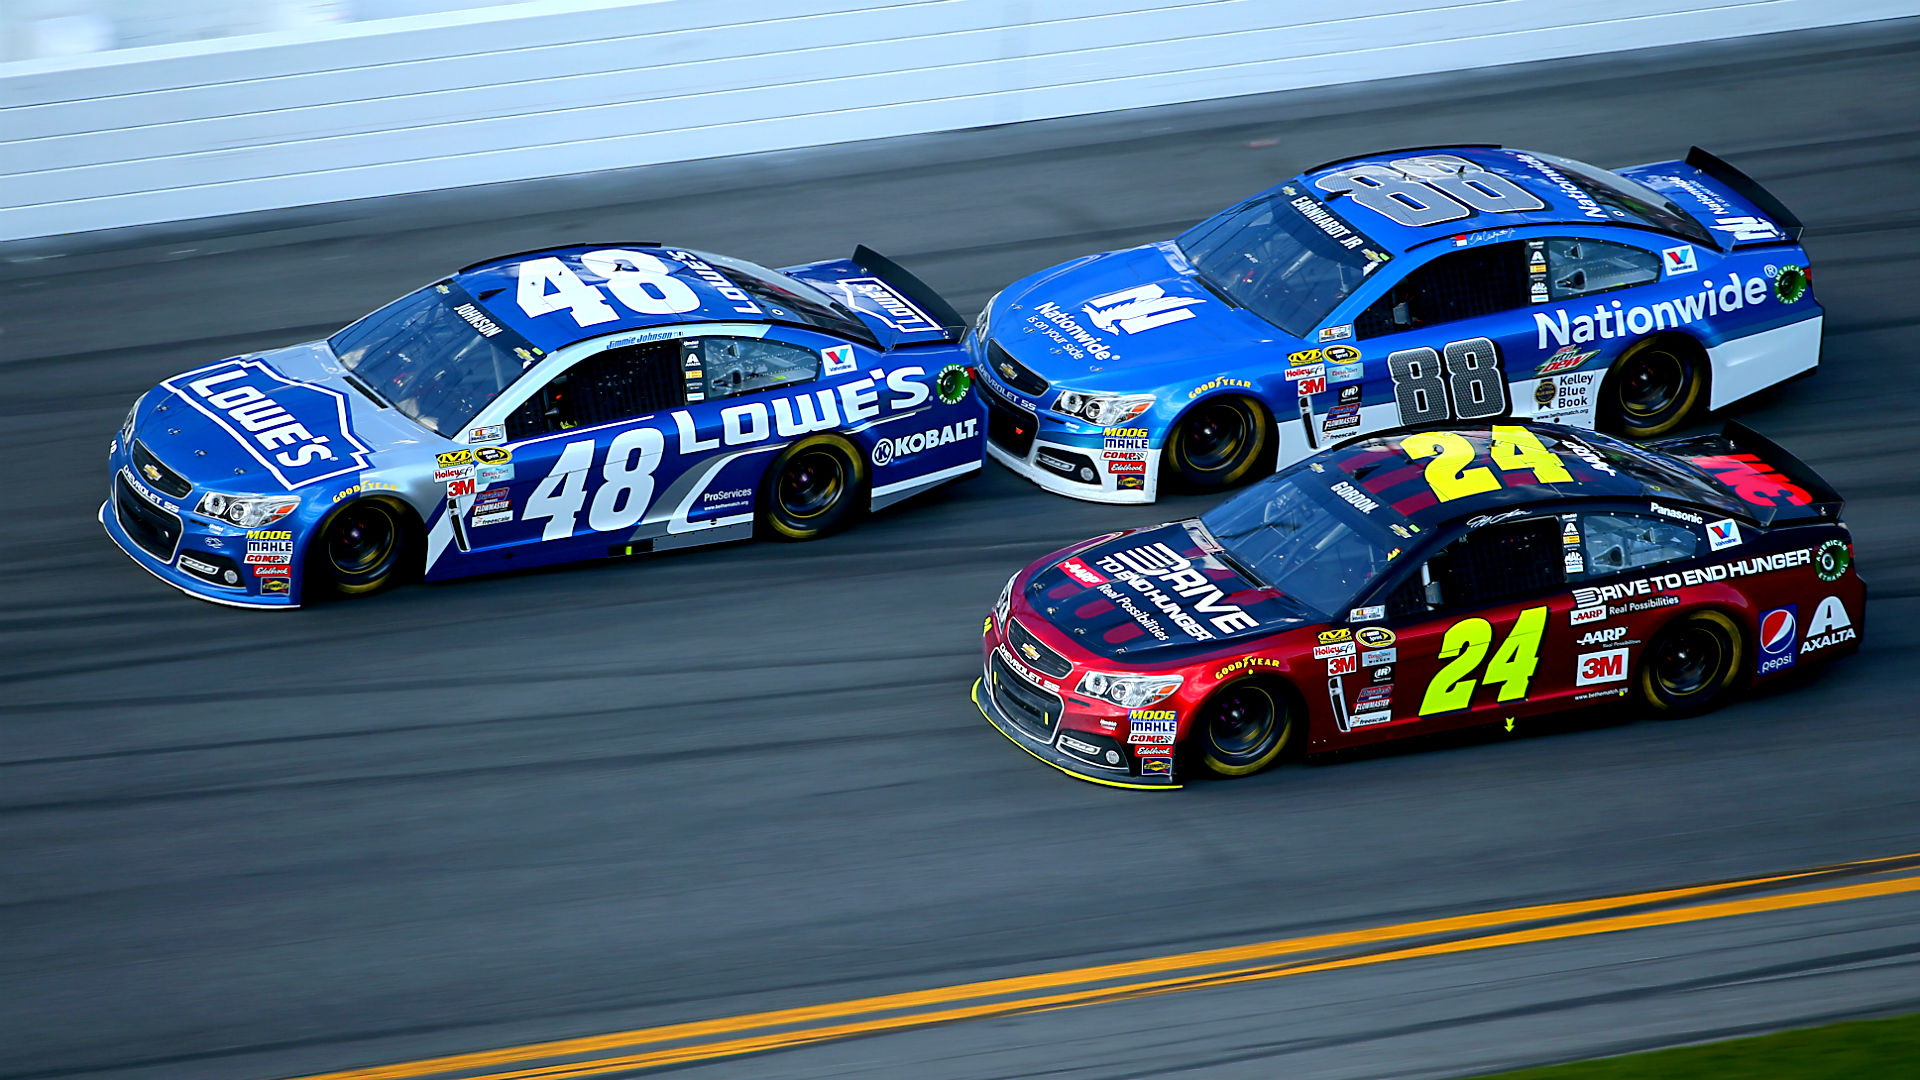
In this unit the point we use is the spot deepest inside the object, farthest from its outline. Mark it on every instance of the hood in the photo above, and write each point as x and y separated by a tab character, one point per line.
285	420
1114	314
1156	594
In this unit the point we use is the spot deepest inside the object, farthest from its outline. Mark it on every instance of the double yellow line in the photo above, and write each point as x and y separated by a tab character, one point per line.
677	1044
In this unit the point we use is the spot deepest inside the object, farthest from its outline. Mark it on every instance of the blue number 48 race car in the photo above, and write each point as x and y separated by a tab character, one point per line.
1412	287
556	405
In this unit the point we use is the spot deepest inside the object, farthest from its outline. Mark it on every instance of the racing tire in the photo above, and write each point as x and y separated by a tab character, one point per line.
1217	443
1692	665
810	490
1245	726
364	546
1653	388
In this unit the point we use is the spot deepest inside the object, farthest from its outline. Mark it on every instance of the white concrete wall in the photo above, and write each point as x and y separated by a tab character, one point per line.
562	86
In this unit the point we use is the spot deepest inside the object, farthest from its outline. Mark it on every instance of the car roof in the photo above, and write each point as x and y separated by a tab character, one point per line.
494	284
1531	171
1599	467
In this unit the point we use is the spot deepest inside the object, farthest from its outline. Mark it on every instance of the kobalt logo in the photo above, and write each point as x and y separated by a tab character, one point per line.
1604	636
888	450
1140	308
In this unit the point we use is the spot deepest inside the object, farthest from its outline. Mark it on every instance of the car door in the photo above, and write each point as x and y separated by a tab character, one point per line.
1606	632
1465	631
747	397
583	455
1434	344
1577	329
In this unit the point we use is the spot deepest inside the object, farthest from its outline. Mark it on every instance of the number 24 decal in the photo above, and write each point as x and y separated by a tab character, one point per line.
1511	448
1466	643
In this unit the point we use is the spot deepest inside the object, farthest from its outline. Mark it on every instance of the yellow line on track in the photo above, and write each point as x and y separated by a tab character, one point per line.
1194	964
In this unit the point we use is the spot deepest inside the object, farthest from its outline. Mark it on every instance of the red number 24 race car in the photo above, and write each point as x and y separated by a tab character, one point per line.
1417	581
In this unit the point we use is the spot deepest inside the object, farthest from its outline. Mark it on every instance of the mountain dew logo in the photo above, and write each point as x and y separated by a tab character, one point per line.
952	383
1789	284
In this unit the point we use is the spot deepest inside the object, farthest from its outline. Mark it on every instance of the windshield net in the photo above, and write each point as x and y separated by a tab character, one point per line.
1285	257
434	355
1298	535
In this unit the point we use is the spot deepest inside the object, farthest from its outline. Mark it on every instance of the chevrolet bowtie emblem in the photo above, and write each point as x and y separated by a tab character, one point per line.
1007	370
152	473
1031	652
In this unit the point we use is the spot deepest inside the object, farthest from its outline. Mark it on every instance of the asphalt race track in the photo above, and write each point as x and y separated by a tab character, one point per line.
456	818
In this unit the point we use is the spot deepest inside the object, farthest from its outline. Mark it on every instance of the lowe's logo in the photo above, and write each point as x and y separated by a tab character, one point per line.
299	431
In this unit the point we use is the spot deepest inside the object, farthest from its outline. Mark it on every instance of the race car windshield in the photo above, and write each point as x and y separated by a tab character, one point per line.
1623	198
1283	257
1296	537
434	355
790	299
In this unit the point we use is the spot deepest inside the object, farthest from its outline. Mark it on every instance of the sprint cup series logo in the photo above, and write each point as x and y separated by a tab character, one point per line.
298	430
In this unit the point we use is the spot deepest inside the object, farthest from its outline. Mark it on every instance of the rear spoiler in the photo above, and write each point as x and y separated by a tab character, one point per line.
1747	188
912	288
1775	486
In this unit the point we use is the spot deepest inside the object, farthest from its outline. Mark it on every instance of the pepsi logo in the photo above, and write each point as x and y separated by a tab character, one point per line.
1776	631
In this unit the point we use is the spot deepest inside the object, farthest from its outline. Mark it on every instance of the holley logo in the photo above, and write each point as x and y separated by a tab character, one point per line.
298	430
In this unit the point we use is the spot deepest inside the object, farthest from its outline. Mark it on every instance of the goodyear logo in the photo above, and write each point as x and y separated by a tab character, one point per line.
1328	637
1375	637
455	457
1246	662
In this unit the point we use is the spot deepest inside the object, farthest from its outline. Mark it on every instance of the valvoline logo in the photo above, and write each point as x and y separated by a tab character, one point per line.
1779	632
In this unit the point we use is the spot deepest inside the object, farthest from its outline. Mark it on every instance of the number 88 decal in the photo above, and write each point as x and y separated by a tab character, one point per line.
1469	386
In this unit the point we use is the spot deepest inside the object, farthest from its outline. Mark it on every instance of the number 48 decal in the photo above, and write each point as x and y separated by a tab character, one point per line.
1466	643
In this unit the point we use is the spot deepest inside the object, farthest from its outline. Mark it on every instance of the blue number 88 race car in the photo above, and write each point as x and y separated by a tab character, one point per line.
563	404
1422	286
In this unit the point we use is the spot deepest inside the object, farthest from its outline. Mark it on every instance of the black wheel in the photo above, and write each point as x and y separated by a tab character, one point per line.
809	491
1217	443
1654	388
1692	664
363	547
1244	726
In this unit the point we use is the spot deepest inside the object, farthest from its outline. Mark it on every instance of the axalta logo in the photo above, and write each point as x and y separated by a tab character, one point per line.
1829	626
257	406
1614	320
886	451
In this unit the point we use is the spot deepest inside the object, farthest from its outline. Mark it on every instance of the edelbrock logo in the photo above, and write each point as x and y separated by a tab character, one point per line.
886	451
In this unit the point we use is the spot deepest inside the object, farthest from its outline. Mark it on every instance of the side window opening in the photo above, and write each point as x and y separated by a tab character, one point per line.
614	385
1498	562
1617	542
730	367
1580	267
1458	285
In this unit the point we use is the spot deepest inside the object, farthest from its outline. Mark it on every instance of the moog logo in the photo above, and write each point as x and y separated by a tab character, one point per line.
1779	630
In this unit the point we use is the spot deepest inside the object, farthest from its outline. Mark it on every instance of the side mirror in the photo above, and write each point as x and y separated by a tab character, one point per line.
1401	316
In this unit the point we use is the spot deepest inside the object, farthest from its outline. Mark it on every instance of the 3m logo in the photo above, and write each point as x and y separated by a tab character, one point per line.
1342	665
1601	667
459	488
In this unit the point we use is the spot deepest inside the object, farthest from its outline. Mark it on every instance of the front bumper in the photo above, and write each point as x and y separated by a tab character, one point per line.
1053	452
172	538
1037	718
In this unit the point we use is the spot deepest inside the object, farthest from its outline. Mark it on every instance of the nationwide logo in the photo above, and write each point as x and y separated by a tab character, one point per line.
1608	322
1135	310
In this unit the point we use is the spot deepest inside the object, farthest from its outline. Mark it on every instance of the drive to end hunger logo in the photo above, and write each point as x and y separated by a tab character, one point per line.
1779	630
